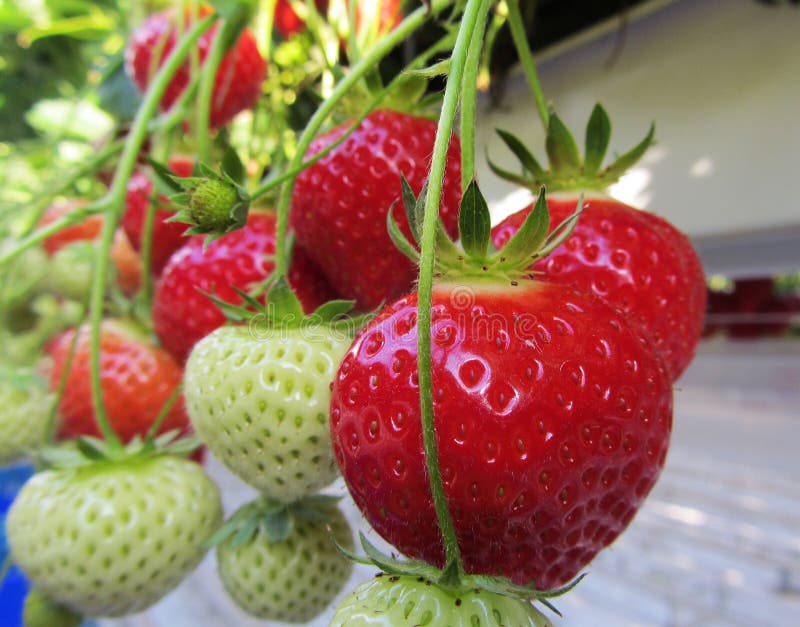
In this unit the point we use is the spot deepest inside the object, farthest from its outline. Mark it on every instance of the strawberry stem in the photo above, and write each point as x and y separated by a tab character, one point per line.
474	14
361	69
469	93
526	59
114	203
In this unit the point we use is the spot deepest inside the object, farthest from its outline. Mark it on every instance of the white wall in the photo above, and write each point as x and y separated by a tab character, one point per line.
721	79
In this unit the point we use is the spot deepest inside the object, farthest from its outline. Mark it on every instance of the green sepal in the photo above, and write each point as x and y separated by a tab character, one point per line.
562	151
92	448
527	160
598	136
232	166
399	239
164	177
452	577
530	236
277	526
474	222
283	306
415	208
333	310
314	508
622	163
562	231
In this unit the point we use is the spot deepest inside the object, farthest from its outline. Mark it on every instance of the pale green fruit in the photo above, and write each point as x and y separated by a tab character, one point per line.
292	580
112	538
261	405
24	408
406	601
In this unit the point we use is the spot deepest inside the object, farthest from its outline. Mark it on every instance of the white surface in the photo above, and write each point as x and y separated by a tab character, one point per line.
720	78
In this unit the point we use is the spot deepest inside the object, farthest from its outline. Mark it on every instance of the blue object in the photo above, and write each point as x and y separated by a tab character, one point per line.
14	587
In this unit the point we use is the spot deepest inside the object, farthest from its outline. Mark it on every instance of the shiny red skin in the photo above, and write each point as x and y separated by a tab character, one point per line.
339	204
634	260
136	376
89	229
237	86
182	315
167	236
553	419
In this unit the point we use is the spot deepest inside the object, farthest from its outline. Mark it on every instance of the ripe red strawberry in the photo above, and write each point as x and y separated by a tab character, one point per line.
182	315
634	260
237	86
167	236
87	229
552	417
137	379
339	204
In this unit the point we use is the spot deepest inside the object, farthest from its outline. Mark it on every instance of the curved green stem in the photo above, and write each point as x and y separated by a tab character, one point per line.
469	94
208	76
473	14
116	205
364	66
526	59
38	236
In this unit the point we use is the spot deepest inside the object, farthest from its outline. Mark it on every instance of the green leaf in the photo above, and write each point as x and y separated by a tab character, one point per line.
244	533
530	236
399	239
598	134
561	147
474	222
526	159
232	165
623	163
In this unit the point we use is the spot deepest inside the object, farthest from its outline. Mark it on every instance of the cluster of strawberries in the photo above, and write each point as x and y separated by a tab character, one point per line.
555	339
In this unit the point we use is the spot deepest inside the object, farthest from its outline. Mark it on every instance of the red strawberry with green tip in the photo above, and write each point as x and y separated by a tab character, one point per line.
634	260
339	204
552	413
183	313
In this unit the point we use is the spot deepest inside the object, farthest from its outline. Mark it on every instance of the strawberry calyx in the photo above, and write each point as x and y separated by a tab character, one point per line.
88	450
283	310
451	578
273	519
213	203
476	259
568	171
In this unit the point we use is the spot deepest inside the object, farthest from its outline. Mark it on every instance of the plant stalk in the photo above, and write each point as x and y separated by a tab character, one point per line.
526	59
474	14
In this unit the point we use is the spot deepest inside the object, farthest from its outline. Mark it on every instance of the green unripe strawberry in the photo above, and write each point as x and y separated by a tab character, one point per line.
406	601
113	537
261	404
293	579
70	272
24	408
40	611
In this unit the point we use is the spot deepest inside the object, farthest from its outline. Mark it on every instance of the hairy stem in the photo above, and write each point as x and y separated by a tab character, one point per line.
526	59
473	14
115	203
